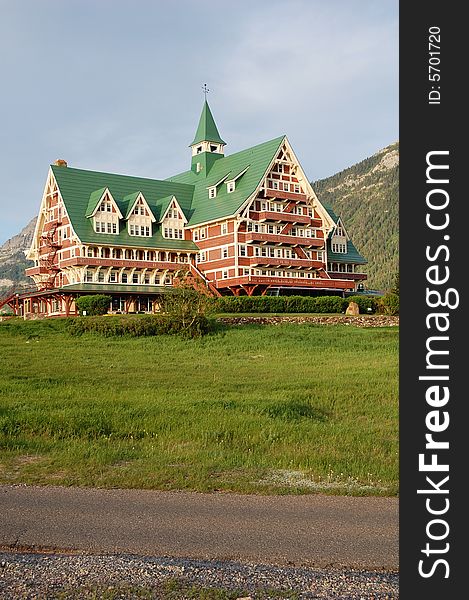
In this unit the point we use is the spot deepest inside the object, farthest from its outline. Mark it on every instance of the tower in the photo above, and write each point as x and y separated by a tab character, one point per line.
207	145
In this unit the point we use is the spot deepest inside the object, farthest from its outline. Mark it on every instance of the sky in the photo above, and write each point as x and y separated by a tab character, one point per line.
116	85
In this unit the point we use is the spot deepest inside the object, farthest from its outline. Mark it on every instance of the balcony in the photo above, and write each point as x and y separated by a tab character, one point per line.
281	262
281	217
114	262
353	276
291	240
270	193
318	283
40	270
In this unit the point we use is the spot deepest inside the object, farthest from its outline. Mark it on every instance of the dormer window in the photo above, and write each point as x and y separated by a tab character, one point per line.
106	206
212	192
230	186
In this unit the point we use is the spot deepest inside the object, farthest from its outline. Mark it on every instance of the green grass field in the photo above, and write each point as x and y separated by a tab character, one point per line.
259	409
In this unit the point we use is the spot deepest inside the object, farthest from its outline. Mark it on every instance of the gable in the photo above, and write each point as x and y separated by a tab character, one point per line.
77	185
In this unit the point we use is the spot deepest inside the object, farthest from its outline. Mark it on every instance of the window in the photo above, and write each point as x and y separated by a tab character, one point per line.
224	252
135	278
230	187
279	168
89	252
114	228
224	228
286	186
275	185
146	279
213	148
199	149
89	276
201	256
198	167
124	277
339	248
101	276
224	274
212	192
112	276
296	188
242	251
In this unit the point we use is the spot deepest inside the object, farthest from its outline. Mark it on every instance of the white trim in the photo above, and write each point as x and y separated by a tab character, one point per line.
140	196
178	206
98	204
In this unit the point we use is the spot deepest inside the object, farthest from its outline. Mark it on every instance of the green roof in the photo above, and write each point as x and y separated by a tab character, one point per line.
95	197
352	255
105	288
257	158
207	130
81	191
78	187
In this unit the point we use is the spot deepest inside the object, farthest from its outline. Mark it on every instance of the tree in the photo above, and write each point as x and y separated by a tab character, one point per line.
97	304
188	305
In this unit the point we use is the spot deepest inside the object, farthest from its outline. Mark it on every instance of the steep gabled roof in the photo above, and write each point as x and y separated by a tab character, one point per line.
207	130
258	159
77	185
352	255
79	188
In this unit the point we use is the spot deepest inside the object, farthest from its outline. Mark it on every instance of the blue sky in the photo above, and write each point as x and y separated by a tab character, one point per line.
116	85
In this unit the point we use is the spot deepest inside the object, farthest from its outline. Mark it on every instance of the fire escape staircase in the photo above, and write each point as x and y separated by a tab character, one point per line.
48	260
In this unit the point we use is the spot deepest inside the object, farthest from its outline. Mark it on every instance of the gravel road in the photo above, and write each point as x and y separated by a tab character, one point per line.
79	543
34	576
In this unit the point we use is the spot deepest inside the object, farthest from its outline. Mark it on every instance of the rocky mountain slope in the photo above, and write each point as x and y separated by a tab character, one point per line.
12	258
366	195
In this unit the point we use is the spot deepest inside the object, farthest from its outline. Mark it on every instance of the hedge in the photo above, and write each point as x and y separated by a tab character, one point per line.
141	325
280	304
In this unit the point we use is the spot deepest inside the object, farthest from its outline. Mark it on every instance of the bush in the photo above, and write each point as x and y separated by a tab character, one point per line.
364	303
93	305
140	325
279	304
389	304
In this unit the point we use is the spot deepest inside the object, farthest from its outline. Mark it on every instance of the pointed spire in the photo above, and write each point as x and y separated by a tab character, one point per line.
207	130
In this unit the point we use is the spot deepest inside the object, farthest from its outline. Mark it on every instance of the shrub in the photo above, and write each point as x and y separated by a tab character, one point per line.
140	325
389	304
279	304
97	304
364	303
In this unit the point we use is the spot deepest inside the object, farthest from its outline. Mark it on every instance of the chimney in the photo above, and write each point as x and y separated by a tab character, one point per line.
60	162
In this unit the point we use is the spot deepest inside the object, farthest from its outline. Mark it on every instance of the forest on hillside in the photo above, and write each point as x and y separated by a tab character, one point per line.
366	196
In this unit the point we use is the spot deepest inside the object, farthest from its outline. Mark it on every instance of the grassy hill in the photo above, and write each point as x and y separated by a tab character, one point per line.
366	195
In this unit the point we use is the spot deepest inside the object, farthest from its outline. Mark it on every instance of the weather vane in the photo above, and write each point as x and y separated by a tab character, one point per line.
205	90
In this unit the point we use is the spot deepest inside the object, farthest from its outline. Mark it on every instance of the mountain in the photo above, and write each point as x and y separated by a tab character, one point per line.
366	195
12	258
